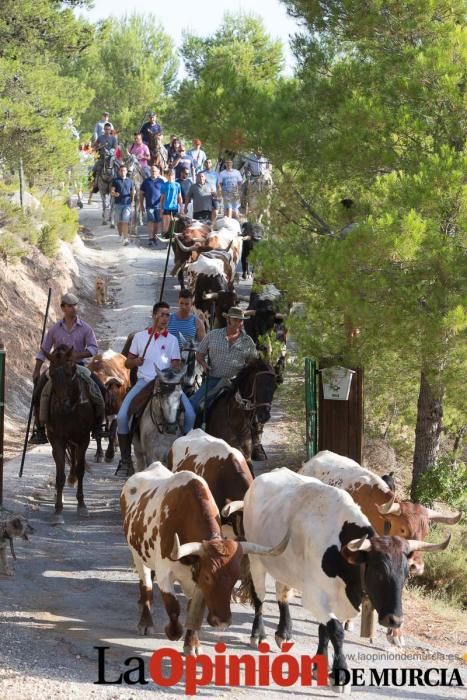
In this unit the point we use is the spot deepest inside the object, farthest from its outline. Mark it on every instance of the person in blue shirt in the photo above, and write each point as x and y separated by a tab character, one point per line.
150	127
123	193
150	199
185	184
171	200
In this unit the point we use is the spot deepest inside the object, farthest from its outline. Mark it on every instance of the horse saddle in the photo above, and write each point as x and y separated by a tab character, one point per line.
224	388
219	255
140	401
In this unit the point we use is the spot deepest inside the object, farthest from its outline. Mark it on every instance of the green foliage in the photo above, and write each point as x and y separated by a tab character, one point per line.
35	99
48	240
130	69
60	218
232	79
10	247
445	481
445	575
376	115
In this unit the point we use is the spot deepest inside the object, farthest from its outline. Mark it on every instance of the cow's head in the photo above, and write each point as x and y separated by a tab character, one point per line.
216	569
412	521
385	566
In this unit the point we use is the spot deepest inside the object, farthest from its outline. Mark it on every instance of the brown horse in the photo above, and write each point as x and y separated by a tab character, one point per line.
231	417
69	423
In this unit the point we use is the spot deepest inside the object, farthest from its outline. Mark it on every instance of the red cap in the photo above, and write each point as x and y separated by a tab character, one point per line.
197	142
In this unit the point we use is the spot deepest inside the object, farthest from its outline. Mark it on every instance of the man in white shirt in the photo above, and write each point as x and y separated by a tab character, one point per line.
151	348
229	188
198	156
99	127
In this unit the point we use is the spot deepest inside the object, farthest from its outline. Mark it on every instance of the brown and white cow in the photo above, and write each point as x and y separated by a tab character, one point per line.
110	368
223	467
386	513
172	527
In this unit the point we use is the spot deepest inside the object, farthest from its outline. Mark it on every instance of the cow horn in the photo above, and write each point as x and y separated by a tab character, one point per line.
252	548
185	550
361	545
436	517
390	508
250	312
279	317
183	247
419	546
230	508
210	295
240	298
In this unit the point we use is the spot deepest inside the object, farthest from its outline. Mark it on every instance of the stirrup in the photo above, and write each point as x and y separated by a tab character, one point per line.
124	469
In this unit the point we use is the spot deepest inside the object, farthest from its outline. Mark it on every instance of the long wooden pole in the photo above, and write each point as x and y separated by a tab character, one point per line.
172	226
31	407
2	413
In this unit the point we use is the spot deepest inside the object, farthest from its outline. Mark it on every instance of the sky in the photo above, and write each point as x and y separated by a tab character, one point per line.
202	17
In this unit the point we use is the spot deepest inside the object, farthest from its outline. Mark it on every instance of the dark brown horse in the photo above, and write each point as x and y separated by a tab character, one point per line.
69	423
231	417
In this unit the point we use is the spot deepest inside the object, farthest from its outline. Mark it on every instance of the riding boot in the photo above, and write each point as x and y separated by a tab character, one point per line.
125	466
257	452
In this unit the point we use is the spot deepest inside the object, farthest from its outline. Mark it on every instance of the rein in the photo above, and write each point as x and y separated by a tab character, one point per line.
248	403
157	393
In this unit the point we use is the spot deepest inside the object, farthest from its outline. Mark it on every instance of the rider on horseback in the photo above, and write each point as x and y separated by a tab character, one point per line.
151	348
72	332
105	143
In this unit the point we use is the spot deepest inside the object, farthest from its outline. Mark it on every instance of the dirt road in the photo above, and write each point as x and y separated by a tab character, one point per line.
74	589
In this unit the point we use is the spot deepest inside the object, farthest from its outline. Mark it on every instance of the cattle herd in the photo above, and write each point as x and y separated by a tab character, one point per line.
334	532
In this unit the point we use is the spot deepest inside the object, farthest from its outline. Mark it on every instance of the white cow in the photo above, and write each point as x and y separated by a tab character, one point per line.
333	557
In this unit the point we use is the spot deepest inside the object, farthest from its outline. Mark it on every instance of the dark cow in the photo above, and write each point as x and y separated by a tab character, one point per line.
334	558
171	523
251	234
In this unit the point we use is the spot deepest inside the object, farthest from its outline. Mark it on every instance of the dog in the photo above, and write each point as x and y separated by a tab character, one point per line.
101	291
11	525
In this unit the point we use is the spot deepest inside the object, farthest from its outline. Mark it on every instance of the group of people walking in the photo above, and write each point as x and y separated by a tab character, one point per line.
176	181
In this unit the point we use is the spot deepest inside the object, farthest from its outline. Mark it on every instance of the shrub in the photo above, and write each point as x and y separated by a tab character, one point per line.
11	248
446	481
48	240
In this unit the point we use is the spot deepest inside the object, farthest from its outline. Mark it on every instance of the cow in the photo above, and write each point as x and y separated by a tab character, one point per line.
333	557
172	526
110	368
251	234
213	292
223	467
387	514
187	234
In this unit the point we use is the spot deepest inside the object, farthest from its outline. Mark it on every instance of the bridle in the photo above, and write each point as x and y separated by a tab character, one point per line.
248	403
158	393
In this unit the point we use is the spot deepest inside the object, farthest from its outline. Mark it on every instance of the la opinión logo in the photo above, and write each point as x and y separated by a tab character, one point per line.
167	667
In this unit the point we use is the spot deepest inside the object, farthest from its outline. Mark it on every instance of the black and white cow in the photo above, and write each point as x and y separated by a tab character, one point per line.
333	557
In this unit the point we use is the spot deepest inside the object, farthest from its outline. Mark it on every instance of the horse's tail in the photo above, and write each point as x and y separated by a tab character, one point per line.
70	457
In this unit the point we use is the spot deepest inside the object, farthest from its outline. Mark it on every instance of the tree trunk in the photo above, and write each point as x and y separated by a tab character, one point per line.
427	431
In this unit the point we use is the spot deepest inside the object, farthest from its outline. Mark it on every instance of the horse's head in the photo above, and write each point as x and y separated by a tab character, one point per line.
256	384
188	351
168	390
61	370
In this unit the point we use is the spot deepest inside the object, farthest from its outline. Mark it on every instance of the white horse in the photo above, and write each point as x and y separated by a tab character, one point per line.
160	424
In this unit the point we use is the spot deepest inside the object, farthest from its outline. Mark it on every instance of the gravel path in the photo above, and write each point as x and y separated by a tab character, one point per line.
74	589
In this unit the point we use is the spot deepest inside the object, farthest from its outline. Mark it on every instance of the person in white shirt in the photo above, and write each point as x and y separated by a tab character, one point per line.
229	188
257	164
151	348
99	127
198	156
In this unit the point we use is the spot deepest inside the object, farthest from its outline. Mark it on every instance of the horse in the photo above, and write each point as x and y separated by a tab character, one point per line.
70	421
137	174
104	184
188	352
232	416
159	425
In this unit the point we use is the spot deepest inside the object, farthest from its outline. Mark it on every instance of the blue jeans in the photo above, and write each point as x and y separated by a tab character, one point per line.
122	416
200	393
190	414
